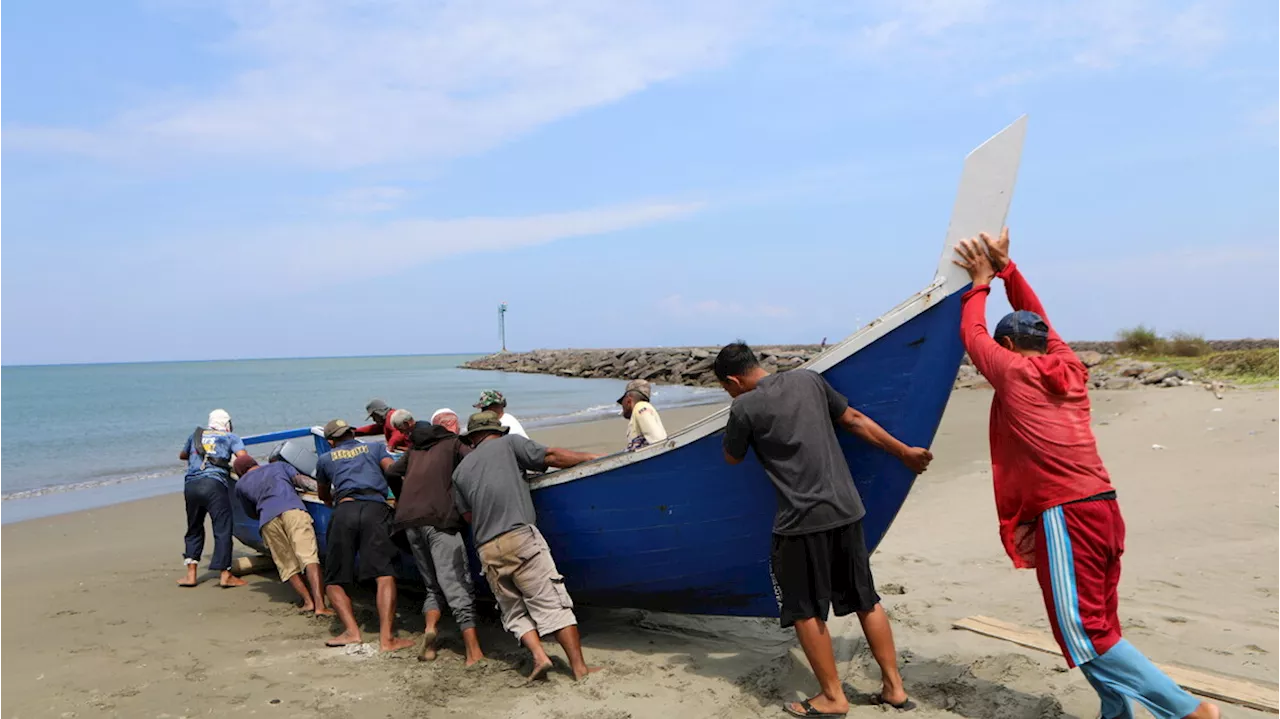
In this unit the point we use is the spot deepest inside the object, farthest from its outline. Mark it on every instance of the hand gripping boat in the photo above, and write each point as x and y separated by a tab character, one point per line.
673	527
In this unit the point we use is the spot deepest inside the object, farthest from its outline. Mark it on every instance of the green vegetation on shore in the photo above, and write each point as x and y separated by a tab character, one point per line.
1185	351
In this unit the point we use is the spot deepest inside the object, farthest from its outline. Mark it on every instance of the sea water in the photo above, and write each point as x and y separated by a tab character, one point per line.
79	436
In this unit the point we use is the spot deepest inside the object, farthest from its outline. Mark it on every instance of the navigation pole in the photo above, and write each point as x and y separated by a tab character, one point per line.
502	325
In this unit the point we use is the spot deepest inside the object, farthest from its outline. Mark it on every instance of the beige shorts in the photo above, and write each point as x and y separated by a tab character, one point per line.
291	539
523	577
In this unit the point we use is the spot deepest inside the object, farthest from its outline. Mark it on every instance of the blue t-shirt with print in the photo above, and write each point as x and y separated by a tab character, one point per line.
354	469
216	444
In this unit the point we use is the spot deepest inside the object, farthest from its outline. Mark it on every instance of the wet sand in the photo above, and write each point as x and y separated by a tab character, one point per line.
95	626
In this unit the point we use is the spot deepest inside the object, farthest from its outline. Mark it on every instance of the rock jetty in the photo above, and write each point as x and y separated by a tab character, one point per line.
664	365
691	366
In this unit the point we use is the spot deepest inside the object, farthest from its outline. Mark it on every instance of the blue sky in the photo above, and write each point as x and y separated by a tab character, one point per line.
193	179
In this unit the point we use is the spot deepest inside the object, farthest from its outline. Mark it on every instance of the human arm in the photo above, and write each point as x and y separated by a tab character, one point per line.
185	454
460	500
1018	290
237	446
562	458
737	435
382	456
324	487
866	429
369	429
304	483
992	360
395	473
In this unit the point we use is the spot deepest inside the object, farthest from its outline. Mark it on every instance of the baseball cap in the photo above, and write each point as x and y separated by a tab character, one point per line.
488	398
640	387
242	464
1023	323
484	422
337	428
376	406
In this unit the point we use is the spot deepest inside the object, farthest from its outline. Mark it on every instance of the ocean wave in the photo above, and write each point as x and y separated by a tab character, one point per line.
663	397
91	484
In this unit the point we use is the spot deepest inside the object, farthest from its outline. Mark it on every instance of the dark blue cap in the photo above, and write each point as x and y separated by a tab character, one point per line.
1023	323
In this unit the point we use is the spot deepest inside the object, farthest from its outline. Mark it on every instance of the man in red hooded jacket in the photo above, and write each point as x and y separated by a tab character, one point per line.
1057	509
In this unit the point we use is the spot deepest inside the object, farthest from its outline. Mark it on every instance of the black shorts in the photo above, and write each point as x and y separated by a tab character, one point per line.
363	527
815	573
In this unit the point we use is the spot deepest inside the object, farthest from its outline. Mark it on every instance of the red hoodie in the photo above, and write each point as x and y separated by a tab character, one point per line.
1043	453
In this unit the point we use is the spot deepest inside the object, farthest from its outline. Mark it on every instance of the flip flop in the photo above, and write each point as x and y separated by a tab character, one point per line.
336	645
809	712
905	705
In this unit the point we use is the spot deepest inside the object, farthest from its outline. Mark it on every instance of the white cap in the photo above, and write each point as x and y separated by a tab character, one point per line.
440	412
220	420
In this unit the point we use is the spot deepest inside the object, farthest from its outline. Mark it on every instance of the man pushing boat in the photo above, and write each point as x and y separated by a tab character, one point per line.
351	480
1057	508
490	491
819	559
268	495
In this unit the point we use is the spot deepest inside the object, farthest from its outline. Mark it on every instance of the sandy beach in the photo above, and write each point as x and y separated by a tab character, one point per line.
95	625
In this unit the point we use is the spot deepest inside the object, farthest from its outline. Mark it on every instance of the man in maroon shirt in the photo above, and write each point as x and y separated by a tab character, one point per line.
1057	508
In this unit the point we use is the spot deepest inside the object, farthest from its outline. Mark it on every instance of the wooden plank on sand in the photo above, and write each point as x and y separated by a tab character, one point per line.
1228	689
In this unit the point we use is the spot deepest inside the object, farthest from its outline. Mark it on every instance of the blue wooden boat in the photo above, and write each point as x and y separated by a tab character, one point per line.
674	528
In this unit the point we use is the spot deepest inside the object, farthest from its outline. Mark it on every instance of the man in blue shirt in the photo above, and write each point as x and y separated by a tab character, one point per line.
208	453
268	495
350	480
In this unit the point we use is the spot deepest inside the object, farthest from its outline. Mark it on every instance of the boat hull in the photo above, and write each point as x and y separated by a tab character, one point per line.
683	531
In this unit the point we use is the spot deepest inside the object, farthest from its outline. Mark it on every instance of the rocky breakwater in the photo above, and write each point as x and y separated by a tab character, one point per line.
1110	371
691	366
665	365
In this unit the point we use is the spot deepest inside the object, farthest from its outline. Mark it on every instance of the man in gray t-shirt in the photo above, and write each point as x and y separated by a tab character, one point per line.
819	558
492	495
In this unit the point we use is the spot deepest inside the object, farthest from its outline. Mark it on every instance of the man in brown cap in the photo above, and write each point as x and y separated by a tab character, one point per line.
490	491
645	426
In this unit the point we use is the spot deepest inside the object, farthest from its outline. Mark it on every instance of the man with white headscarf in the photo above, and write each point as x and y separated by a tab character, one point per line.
446	418
208	453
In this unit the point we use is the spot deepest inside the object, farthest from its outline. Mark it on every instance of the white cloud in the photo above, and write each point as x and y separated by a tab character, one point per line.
677	306
353	83
349	84
303	255
1013	42
368	199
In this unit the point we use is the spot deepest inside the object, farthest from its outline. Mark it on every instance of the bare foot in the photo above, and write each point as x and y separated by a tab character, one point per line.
190	579
230	580
539	672
396	644
307	608
343	640
1205	711
428	653
579	676
322	612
